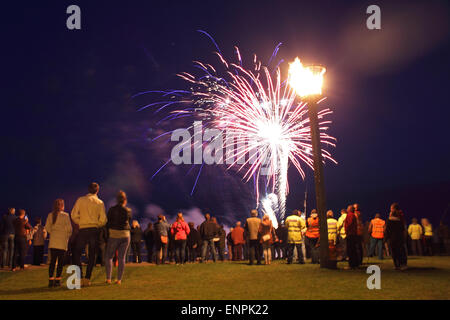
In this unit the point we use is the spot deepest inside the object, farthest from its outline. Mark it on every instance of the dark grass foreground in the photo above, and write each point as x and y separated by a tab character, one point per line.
427	278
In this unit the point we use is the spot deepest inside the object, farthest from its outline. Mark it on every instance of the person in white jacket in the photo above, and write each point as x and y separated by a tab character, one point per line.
89	213
59	227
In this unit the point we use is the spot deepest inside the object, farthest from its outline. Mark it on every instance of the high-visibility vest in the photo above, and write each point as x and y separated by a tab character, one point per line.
341	227
415	231
428	230
295	226
332	229
313	228
377	228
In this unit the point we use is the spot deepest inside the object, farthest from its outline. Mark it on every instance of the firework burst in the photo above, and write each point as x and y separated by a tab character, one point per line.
266	127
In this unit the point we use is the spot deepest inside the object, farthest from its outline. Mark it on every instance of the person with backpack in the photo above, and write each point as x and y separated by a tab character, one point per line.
180	230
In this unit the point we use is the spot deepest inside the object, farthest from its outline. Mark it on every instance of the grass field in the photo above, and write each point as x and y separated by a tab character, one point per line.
426	278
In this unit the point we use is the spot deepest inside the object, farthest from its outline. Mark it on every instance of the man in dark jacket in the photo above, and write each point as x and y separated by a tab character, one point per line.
193	242
149	237
7	237
208	231
280	246
230	245
395	236
21	226
101	250
220	245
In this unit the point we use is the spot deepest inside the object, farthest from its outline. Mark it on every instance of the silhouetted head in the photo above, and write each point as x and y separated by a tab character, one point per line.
93	188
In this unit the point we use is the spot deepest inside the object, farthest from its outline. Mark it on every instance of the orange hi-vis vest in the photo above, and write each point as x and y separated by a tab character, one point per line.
313	228
378	228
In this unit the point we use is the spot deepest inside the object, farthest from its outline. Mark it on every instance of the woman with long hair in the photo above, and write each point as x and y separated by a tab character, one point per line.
180	231
59	226
266	234
118	226
136	238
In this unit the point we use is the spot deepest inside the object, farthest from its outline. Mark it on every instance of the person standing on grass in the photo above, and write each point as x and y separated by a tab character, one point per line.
118	226
180	231
395	235
428	234
21	226
296	227
193	242
208	231
59	227
332	227
89	214
415	232
7	237
237	236
351	225
136	238
220	244
149	238
376	230
282	235
312	236
230	245
39	235
342	242
252	227
267	236
162	229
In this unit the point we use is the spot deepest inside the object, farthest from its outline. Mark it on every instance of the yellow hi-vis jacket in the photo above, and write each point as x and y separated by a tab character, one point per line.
341	227
428	230
332	229
415	231
295	226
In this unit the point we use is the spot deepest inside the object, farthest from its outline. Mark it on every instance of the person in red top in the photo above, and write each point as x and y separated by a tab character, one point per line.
237	235
351	230
180	231
21	226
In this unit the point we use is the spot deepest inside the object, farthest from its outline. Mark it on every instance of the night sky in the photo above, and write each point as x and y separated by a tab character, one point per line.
68	116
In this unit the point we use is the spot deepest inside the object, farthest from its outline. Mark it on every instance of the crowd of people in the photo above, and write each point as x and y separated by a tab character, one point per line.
107	238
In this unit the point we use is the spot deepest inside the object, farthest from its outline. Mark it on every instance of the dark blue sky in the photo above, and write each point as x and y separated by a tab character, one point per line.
68	116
